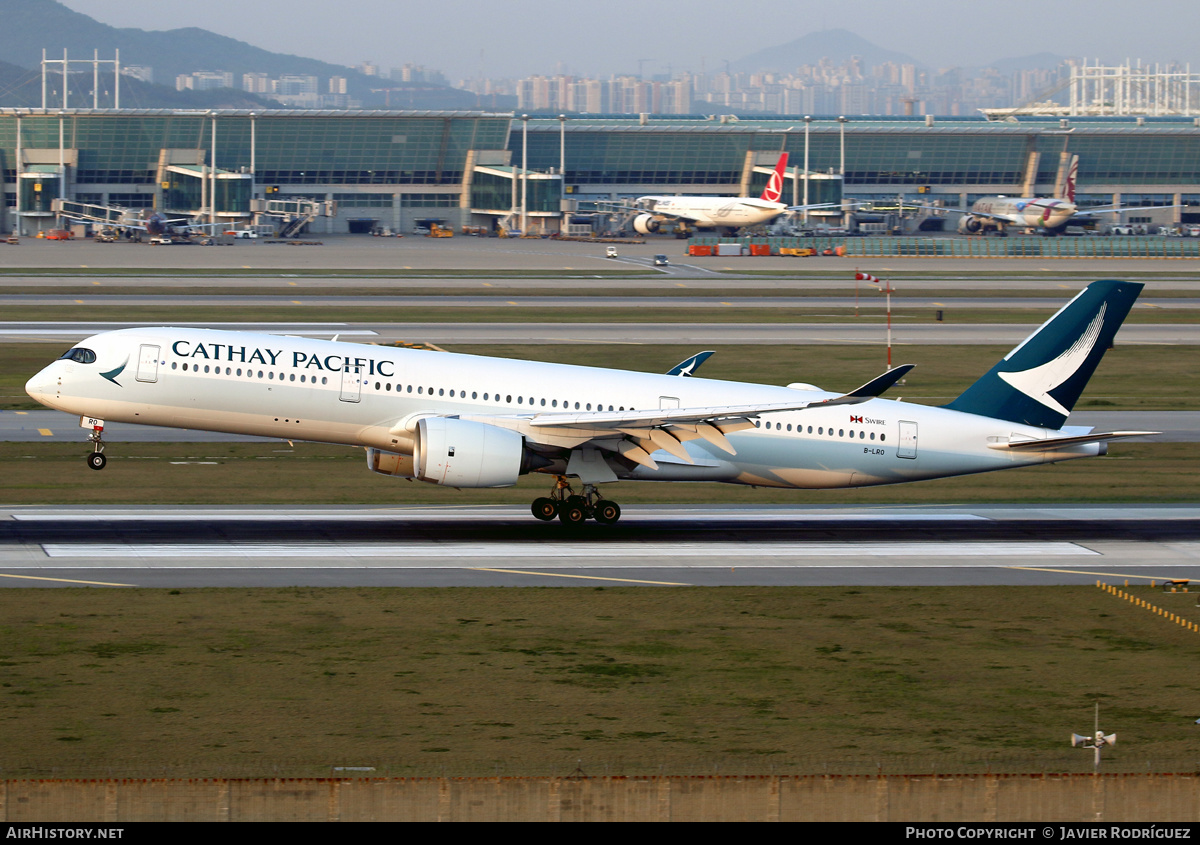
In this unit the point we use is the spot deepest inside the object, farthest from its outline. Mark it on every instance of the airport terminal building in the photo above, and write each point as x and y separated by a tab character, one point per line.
403	169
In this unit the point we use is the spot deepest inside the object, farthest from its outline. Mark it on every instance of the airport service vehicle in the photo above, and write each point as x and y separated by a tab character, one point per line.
471	421
610	252
661	261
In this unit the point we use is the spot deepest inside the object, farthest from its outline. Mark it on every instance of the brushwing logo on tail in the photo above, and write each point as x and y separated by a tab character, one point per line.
1037	382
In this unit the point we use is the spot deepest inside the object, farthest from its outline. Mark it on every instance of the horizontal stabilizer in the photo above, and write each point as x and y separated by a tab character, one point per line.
1051	443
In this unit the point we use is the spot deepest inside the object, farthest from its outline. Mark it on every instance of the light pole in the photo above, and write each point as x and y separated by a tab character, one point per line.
524	164
562	144
212	194
842	163
807	123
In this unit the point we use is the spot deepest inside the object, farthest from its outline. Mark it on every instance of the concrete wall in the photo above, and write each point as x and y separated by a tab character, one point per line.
933	798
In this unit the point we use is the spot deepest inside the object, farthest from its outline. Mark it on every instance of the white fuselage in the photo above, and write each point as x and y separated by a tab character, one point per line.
713	212
1031	212
303	389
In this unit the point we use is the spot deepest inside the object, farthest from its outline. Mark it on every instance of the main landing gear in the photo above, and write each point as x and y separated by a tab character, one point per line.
573	509
96	460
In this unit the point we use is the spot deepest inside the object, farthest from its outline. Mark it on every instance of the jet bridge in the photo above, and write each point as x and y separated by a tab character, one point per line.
293	214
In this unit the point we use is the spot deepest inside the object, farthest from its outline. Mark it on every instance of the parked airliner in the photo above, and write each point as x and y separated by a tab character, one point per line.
472	421
726	213
1047	215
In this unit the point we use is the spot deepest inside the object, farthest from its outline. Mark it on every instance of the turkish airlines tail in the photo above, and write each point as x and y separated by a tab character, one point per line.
774	189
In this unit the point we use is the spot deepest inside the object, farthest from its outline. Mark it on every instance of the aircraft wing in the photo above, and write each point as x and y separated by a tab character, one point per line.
999	217
812	206
636	433
1109	209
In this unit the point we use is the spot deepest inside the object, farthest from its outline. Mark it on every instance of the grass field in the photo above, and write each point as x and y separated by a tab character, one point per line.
269	473
291	682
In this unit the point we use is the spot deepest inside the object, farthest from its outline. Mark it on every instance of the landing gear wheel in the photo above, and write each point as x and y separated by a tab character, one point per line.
544	509
96	460
571	514
606	512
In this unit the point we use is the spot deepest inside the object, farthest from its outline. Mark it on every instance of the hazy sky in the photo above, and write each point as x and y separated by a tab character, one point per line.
521	37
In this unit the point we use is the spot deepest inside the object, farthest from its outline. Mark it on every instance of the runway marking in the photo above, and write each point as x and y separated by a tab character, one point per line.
63	580
45	432
1086	572
452	513
584	577
577	550
609	342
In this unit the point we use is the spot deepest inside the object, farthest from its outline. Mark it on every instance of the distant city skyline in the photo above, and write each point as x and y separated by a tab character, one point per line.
469	38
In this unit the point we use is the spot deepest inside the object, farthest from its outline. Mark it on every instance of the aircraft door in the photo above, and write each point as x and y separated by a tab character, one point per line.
351	385
908	440
666	402
147	369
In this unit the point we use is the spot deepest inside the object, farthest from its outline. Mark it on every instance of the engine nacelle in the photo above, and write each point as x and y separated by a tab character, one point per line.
390	463
461	453
969	225
646	224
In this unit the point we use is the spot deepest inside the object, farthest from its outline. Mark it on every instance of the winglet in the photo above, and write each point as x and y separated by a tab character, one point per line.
688	366
875	387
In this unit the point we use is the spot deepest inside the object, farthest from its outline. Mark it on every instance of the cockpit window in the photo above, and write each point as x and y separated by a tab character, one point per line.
80	355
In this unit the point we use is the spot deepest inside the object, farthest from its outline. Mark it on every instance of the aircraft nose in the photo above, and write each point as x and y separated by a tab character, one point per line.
42	386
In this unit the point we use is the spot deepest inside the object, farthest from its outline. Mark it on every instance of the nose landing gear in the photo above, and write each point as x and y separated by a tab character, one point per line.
96	459
573	509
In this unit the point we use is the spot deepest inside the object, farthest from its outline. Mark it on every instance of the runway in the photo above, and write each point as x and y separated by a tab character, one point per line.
869	300
870	331
172	547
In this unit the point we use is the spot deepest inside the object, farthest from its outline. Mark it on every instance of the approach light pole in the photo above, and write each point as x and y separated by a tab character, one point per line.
867	277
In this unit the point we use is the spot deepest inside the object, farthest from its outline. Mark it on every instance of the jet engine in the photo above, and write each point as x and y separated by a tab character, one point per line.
646	224
969	225
461	453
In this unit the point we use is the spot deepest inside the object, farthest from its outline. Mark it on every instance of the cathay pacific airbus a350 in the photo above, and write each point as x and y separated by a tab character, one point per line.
471	421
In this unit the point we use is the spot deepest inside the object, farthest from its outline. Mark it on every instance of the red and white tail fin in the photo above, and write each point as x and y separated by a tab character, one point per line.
774	189
1068	191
